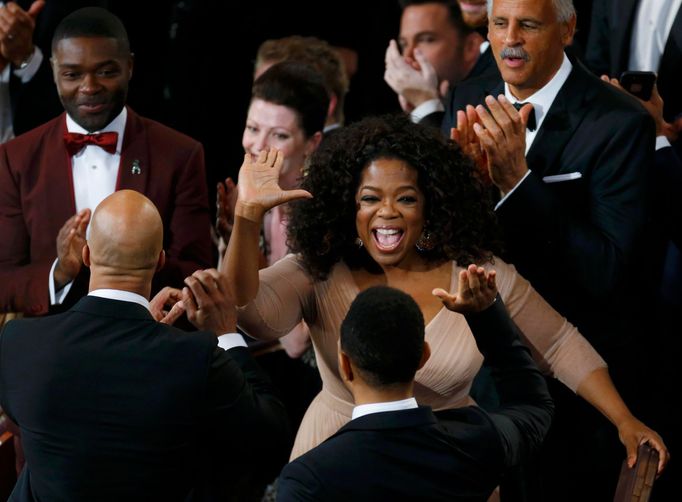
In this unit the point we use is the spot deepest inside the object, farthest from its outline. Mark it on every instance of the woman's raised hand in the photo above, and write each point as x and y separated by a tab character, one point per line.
476	291
258	189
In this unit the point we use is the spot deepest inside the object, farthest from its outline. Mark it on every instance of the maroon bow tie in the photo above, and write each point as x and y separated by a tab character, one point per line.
75	142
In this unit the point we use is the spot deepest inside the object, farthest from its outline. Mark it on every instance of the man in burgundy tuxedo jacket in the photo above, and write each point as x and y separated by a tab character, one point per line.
53	177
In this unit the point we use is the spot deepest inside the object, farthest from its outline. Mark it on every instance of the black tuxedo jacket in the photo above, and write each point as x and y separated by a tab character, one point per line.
115	406
410	455
608	49
485	66
574	226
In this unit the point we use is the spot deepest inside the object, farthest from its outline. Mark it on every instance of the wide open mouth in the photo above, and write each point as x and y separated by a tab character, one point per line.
387	239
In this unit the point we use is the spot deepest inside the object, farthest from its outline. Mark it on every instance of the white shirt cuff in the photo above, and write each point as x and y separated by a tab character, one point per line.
512	190
27	73
662	142
57	297
426	108
231	340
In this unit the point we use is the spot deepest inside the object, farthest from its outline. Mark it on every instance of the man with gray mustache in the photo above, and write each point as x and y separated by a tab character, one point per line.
570	168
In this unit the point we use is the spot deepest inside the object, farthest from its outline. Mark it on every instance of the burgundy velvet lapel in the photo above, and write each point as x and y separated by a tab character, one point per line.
61	202
133	171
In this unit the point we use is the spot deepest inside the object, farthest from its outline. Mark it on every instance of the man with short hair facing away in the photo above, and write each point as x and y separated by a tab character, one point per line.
117	406
393	449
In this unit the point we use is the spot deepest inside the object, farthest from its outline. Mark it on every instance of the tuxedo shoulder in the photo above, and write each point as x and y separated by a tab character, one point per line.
31	140
472	91
157	130
28	330
608	98
475	87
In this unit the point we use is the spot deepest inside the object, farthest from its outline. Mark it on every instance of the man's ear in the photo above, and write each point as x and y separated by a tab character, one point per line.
568	31
131	64
426	353
86	255
333	103
312	143
162	260
345	368
472	48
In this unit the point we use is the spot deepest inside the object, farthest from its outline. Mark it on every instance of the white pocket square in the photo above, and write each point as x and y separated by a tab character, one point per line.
557	178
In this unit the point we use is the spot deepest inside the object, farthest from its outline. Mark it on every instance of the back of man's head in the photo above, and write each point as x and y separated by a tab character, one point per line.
92	22
126	236
383	336
312	51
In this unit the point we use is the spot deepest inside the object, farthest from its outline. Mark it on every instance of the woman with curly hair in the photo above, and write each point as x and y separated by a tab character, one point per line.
389	202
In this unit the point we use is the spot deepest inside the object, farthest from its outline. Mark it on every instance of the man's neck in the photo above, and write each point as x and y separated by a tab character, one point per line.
364	394
130	284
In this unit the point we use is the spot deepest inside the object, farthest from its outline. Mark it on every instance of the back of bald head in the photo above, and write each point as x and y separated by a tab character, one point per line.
126	233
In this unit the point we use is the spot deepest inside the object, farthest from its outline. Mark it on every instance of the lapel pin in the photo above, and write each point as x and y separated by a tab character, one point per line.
136	169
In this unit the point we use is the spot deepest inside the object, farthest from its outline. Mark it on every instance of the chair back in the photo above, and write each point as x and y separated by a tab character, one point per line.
634	485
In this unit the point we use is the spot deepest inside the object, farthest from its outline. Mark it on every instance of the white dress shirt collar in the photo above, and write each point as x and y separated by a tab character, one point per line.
367	409
118	294
117	125
542	100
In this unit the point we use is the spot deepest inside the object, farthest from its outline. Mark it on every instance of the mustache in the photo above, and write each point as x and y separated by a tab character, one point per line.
514	52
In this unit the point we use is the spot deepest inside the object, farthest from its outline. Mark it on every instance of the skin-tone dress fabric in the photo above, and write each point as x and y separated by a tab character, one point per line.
287	294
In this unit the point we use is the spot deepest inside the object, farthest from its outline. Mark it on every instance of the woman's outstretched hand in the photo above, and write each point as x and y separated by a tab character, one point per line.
476	291
258	188
632	433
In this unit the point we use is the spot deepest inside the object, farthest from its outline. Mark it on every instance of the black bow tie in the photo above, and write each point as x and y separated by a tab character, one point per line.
532	124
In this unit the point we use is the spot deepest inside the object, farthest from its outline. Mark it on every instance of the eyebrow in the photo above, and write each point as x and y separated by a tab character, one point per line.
99	65
520	19
404	187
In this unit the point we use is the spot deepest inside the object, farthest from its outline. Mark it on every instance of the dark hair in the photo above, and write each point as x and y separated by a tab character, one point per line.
457	213
454	13
314	52
383	335
299	87
92	22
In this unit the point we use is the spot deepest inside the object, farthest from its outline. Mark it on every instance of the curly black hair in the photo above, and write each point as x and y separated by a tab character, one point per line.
458	209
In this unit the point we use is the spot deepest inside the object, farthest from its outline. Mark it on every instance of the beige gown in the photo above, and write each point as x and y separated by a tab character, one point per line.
287	294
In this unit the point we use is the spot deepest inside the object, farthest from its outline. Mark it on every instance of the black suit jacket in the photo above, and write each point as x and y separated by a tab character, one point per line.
409	455
485	66
608	49
115	406
578	240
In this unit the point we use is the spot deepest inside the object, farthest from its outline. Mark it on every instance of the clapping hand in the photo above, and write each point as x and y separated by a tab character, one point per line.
16	31
467	140
70	242
414	83
501	131
476	291
226	201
